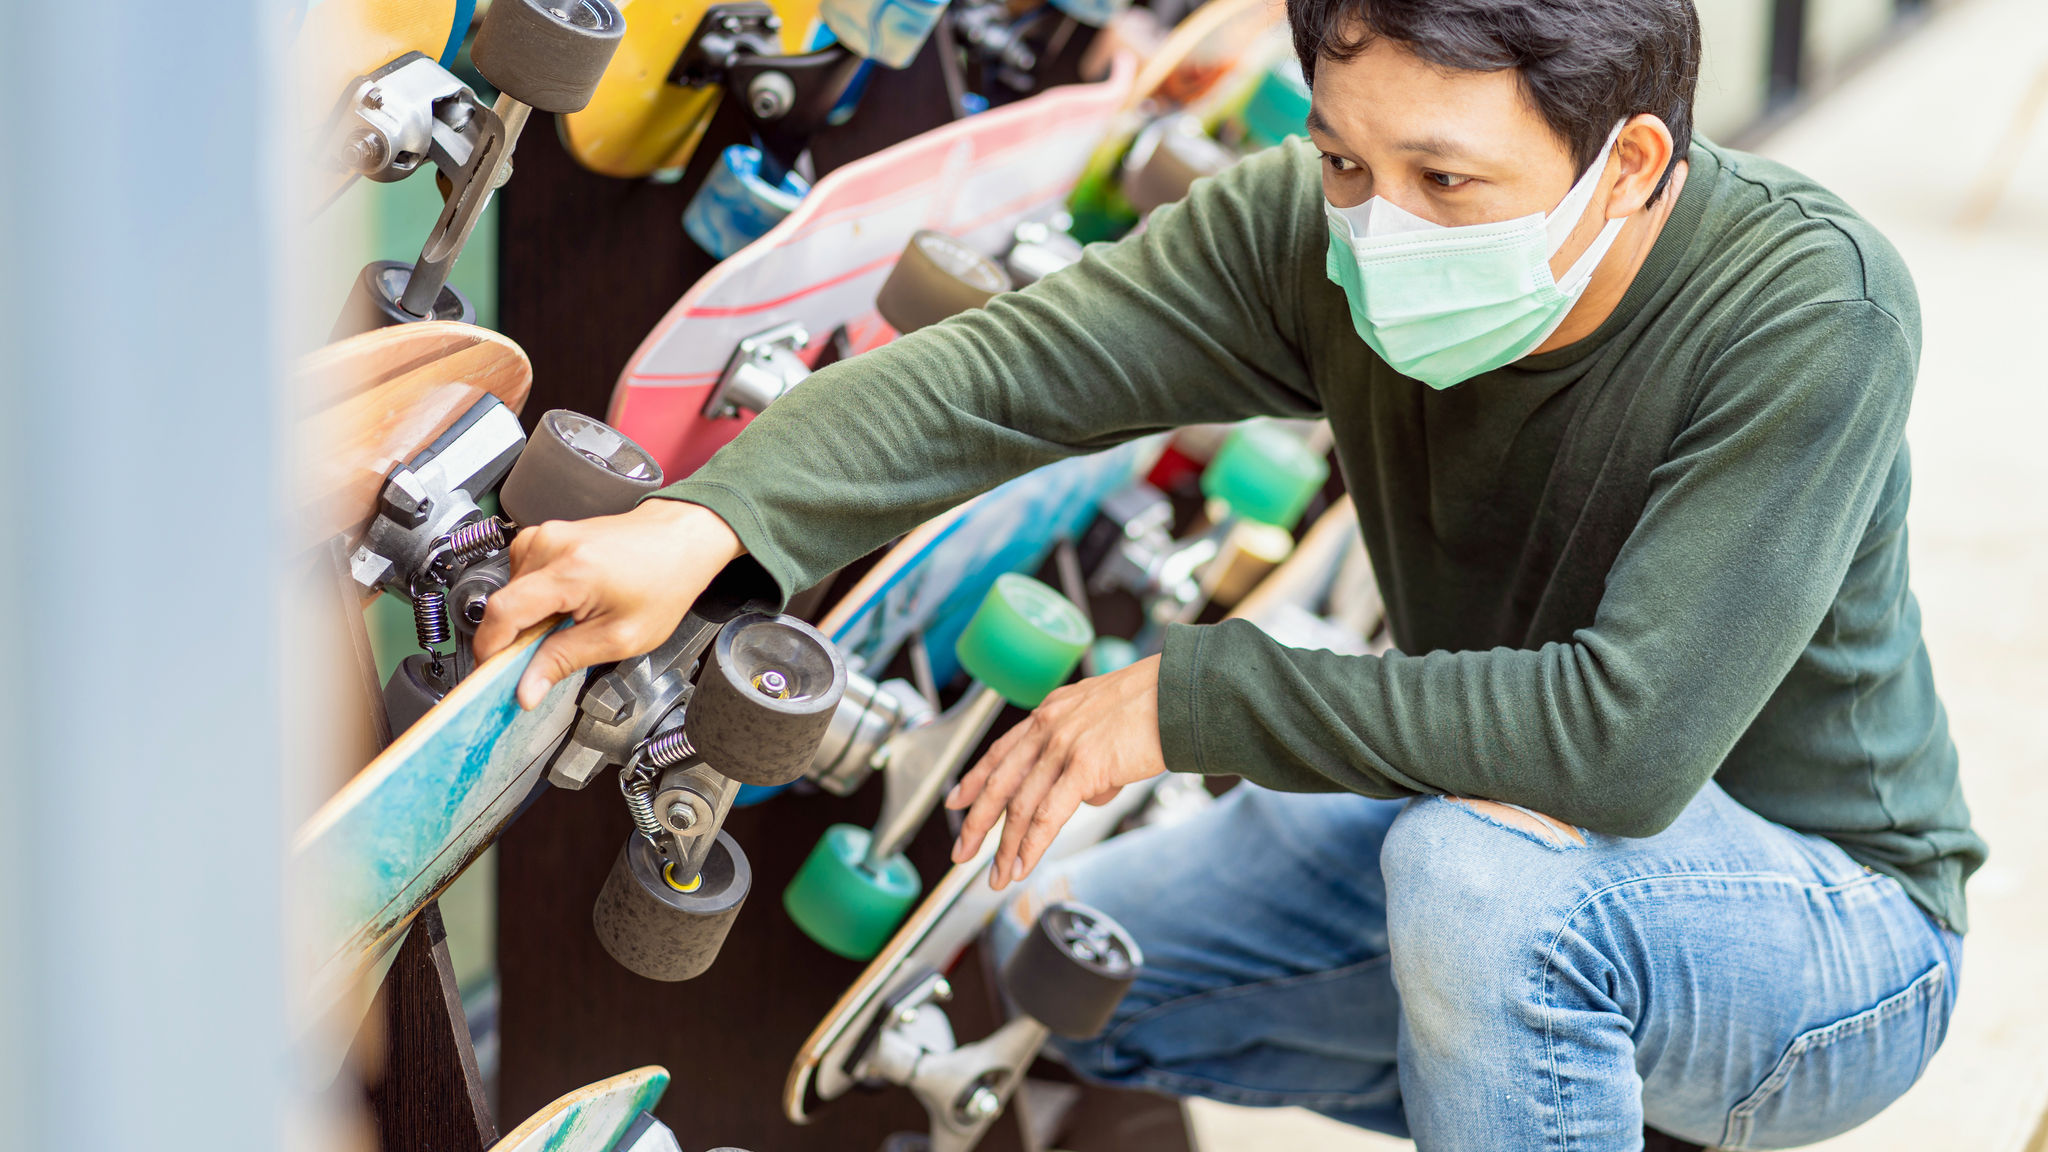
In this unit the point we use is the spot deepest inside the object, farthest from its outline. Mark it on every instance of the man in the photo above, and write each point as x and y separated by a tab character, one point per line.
1653	815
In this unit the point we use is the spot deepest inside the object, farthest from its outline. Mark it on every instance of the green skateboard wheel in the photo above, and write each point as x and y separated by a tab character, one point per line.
846	908
1110	654
1024	640
1265	475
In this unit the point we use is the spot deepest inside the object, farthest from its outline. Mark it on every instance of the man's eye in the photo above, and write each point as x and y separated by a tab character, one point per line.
1446	180
1338	163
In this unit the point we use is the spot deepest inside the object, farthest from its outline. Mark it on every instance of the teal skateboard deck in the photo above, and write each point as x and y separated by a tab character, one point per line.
400	832
592	1118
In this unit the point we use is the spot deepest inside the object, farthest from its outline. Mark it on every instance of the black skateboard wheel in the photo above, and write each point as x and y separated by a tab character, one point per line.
411	690
662	929
373	302
1072	969
767	693
574	468
548	54
1180	154
936	277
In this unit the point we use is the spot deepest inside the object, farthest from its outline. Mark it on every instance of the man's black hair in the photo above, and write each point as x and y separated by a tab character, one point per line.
1584	64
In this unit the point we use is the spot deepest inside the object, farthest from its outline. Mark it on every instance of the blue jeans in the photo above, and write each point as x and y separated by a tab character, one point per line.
1425	970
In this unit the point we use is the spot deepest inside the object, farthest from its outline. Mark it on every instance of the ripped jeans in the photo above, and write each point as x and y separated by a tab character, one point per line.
1422	969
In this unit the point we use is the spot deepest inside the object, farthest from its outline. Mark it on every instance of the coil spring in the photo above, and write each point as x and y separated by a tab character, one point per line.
668	749
430	617
477	539
638	787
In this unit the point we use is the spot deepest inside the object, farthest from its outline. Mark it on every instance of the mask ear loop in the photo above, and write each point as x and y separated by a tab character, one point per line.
1565	217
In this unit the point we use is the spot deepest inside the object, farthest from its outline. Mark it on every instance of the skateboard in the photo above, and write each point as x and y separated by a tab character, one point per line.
392	107
889	1024
594	1118
772	310
1204	66
376	399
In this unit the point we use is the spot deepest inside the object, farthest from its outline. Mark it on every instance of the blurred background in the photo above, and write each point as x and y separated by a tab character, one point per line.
164	697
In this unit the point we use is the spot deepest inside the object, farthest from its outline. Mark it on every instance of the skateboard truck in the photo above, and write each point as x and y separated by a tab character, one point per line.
762	370
788	99
1066	977
1023	641
540	54
432	543
765	690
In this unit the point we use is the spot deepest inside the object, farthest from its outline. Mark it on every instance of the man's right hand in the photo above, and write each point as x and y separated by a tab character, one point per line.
625	580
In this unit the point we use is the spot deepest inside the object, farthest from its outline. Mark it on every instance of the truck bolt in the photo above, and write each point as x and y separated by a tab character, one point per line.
682	816
982	1103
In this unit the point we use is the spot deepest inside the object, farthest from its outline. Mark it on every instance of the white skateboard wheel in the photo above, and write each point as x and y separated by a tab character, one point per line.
936	277
574	468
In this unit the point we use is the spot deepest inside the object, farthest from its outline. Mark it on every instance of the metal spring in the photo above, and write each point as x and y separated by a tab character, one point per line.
430	617
638	788
477	539
668	749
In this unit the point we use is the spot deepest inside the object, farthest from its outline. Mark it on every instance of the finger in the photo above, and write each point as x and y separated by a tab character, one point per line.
1017	816
566	652
519	605
1052	815
1105	796
970	785
1003	778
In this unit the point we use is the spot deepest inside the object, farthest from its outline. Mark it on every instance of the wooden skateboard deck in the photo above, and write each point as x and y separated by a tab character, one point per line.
590	1119
637	122
375	400
976	178
400	832
961	905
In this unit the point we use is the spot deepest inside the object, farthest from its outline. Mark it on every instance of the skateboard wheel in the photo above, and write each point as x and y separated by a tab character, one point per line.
373	302
1109	654
767	694
839	902
548	54
574	468
411	690
936	277
1265	474
1168	158
1024	640
659	931
1039	251
1072	969
736	206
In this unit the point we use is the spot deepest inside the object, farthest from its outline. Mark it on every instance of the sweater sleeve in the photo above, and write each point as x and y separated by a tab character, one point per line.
1193	320
1752	522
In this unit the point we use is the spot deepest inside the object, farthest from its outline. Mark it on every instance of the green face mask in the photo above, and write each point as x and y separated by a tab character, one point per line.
1442	304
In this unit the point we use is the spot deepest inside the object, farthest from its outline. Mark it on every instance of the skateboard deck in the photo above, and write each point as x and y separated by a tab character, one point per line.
976	178
961	905
931	581
340	40
637	122
405	827
590	1119
375	400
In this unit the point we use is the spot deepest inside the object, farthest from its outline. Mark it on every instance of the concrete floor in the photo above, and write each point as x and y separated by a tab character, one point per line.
1913	142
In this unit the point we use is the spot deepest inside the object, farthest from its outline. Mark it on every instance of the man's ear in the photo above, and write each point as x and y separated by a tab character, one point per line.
1643	150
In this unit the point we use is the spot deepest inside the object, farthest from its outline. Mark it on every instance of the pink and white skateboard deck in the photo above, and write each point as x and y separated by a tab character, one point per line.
976	178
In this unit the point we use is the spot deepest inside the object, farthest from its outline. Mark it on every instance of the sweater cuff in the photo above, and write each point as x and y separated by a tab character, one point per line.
1179	737
764	572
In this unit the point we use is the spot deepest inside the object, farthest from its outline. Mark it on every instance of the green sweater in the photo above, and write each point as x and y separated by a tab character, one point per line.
1671	552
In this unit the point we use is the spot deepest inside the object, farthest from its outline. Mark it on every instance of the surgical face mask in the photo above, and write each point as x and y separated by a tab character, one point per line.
1444	304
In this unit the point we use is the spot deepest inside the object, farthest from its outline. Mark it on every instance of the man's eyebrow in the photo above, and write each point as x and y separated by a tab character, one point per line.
1440	147
1316	123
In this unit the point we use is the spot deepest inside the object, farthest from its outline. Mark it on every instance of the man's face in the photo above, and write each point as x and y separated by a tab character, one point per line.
1451	147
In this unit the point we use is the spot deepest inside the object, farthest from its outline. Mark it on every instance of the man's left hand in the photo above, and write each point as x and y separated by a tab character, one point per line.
1084	743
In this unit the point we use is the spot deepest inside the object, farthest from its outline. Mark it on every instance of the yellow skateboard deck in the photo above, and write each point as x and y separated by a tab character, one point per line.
343	39
639	123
